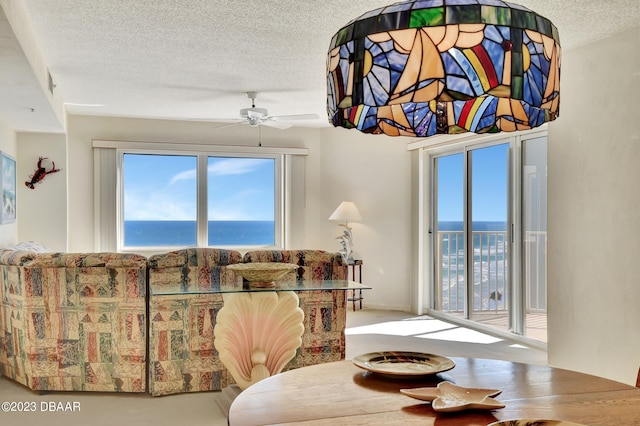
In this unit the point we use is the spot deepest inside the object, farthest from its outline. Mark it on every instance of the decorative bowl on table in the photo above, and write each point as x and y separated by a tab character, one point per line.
399	364
535	422
262	274
447	397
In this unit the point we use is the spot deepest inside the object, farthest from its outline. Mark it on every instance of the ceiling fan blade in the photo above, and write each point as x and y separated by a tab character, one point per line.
218	120
227	125
296	117
275	124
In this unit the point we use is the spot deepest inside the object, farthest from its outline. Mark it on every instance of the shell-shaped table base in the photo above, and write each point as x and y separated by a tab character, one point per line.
258	333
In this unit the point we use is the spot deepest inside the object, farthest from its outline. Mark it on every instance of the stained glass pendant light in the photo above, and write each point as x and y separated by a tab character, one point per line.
427	67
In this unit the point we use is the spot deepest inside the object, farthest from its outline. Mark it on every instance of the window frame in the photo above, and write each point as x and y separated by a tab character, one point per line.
202	197
106	175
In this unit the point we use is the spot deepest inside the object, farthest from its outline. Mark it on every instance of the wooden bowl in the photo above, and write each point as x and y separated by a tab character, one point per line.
262	274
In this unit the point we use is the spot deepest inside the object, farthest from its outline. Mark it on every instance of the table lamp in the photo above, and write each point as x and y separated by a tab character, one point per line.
346	211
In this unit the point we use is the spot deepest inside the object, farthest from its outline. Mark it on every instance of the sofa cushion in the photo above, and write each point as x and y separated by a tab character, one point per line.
87	260
314	265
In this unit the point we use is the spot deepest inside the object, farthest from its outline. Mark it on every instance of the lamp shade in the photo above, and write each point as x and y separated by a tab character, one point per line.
346	211
427	67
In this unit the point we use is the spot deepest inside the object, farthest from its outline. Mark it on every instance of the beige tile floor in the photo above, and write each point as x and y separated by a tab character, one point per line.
367	331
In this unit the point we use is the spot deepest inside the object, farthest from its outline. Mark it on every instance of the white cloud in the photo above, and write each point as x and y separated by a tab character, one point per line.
156	205
235	166
186	175
231	166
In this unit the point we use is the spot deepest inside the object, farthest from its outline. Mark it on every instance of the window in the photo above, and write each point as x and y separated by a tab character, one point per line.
241	201
232	196
199	200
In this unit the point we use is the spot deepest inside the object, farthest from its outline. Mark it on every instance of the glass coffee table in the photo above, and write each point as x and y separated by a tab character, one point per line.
257	330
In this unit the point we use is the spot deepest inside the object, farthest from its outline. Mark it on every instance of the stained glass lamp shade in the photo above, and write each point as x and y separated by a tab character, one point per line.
427	67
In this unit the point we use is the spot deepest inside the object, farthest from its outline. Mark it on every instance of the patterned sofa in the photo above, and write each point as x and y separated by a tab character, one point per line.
73	322
91	321
325	311
182	357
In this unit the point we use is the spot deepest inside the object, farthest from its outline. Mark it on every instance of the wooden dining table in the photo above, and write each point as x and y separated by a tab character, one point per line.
339	393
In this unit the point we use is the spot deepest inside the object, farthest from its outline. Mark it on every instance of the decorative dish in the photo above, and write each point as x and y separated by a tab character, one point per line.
262	274
534	422
447	397
403	364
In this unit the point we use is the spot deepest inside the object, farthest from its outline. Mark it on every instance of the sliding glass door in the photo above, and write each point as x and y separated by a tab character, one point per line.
489	233
471	232
450	289
534	236
488	242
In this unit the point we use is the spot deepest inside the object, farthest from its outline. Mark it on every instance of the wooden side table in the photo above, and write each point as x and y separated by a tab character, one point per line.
356	297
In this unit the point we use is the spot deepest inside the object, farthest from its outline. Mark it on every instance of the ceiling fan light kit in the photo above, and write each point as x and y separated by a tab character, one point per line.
426	67
253	112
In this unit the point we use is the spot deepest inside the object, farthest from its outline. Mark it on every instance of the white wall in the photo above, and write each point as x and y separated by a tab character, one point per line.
42	213
594	211
18	17
9	231
373	171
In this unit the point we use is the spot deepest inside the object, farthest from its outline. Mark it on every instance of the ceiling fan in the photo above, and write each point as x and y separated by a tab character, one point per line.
255	116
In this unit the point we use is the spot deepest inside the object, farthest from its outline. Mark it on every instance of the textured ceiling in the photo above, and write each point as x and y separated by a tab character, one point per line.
196	59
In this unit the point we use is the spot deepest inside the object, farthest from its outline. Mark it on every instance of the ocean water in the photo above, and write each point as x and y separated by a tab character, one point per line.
490	256
162	233
490	265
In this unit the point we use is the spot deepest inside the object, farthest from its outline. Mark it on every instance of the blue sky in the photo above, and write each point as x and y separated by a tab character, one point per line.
489	185
163	187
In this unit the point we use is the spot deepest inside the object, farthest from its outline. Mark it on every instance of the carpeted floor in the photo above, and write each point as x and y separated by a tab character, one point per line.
367	331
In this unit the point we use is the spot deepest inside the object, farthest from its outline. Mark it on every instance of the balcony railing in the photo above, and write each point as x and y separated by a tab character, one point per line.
490	271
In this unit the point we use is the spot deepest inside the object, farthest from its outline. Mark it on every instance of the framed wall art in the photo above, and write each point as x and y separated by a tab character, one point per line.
8	187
